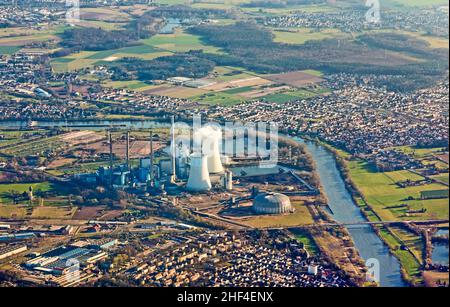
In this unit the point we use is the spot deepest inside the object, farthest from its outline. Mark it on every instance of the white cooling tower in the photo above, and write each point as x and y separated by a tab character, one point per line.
199	180
211	150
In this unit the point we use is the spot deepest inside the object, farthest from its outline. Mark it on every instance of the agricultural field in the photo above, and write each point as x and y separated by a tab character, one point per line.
385	197
233	85
86	59
303	35
308	8
288	96
111	14
428	156
148	49
442	178
34	148
176	91
217	98
218	4
227	73
416	3
13	211
133	85
8	50
53	212
179	41
12	39
78	168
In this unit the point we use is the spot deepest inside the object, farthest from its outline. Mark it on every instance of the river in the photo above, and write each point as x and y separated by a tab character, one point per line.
440	250
344	210
369	245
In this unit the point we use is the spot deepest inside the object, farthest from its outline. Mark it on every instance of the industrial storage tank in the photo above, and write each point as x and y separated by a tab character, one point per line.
272	203
199	180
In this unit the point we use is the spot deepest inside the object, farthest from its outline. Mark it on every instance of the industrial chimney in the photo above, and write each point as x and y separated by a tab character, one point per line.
199	180
128	150
151	156
173	153
110	158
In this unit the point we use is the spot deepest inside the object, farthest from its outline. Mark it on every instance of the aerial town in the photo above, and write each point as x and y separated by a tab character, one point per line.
244	143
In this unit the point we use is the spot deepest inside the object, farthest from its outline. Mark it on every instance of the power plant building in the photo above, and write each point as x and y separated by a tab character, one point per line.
272	203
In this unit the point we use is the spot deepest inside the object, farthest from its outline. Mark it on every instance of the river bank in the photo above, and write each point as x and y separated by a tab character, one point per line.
344	209
410	263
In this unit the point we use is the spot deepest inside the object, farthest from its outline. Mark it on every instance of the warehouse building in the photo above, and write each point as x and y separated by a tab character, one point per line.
11	251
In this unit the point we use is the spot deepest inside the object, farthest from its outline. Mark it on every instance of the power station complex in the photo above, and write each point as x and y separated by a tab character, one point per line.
195	172
177	170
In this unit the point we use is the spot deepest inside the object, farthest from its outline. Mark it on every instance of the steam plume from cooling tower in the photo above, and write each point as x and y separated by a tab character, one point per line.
210	138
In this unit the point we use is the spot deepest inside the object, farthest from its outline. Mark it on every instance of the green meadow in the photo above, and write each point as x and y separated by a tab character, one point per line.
178	42
416	3
5	189
384	196
8	50
218	98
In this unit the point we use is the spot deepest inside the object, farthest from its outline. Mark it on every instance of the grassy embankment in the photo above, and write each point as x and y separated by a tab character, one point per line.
381	199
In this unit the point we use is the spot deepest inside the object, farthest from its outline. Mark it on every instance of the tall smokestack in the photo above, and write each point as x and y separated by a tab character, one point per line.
173	152
151	155
128	150
110	158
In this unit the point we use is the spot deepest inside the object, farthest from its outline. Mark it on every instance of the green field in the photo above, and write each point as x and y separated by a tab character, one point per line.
21	188
133	85
285	97
227	73
85	59
307	240
383	195
406	258
434	194
178	42
8	50
239	90
442	177
147	49
78	168
32	148
217	98
418	2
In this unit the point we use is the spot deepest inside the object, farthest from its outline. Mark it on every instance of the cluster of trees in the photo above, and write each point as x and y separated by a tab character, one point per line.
97	39
190	64
94	39
402	43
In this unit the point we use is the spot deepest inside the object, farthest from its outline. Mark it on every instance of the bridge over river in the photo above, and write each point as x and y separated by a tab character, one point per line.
362	223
